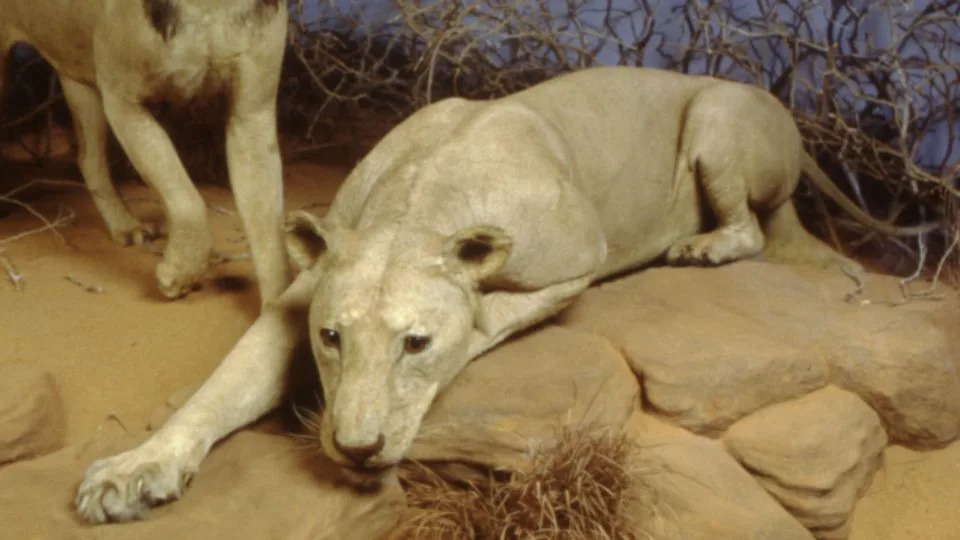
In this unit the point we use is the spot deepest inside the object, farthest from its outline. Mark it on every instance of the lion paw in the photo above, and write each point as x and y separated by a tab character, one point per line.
124	229
176	283
135	234
694	251
181	270
716	247
124	487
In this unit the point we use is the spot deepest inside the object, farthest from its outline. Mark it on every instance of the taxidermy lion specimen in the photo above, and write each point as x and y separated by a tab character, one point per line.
472	220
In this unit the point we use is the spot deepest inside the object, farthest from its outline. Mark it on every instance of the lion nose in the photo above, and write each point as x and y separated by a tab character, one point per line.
359	454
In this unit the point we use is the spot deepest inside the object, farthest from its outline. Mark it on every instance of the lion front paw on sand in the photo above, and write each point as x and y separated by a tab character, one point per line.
125	486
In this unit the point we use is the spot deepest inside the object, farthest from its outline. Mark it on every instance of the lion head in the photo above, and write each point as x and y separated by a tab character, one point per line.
390	322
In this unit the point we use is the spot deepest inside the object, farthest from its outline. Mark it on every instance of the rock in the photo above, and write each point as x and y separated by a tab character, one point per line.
715	344
709	352
519	397
815	454
32	418
905	368
689	488
253	485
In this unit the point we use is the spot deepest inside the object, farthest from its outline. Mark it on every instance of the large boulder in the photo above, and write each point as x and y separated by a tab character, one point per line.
905	367
686	487
521	396
815	455
32	419
715	344
708	352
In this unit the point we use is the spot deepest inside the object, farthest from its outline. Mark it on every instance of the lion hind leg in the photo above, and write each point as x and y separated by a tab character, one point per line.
737	235
90	126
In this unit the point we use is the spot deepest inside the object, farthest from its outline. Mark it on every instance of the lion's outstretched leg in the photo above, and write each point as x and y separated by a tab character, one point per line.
248	383
504	313
738	233
90	126
149	148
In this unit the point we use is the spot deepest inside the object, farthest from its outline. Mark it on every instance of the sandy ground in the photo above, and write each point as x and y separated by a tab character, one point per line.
124	351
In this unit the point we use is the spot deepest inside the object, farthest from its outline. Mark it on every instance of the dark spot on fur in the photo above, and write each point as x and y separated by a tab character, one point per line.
475	249
163	16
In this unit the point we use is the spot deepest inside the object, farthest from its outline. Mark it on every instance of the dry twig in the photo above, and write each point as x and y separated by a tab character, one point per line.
15	277
89	287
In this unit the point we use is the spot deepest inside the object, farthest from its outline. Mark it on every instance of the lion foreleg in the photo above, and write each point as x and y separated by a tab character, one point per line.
248	383
253	158
255	177
504	313
149	148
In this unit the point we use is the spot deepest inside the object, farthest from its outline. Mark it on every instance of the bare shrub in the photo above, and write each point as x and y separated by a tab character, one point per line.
351	65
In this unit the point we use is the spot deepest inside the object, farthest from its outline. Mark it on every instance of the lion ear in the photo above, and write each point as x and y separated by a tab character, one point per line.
477	252
308	238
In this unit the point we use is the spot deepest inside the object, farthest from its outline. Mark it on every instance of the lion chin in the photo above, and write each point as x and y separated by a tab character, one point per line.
365	479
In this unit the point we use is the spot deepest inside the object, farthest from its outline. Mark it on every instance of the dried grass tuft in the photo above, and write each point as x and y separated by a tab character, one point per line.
576	490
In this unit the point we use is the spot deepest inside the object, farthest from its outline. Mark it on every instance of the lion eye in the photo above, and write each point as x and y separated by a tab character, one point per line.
415	344
330	338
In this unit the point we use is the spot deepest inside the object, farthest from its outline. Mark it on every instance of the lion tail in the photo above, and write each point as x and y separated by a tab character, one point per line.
824	184
787	241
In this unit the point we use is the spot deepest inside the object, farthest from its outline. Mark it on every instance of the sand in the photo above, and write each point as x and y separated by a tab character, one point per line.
122	352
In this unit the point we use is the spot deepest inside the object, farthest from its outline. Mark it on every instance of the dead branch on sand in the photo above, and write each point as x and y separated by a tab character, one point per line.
15	277
89	287
64	217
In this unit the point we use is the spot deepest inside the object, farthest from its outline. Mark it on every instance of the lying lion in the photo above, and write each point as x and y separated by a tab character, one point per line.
115	57
473	220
